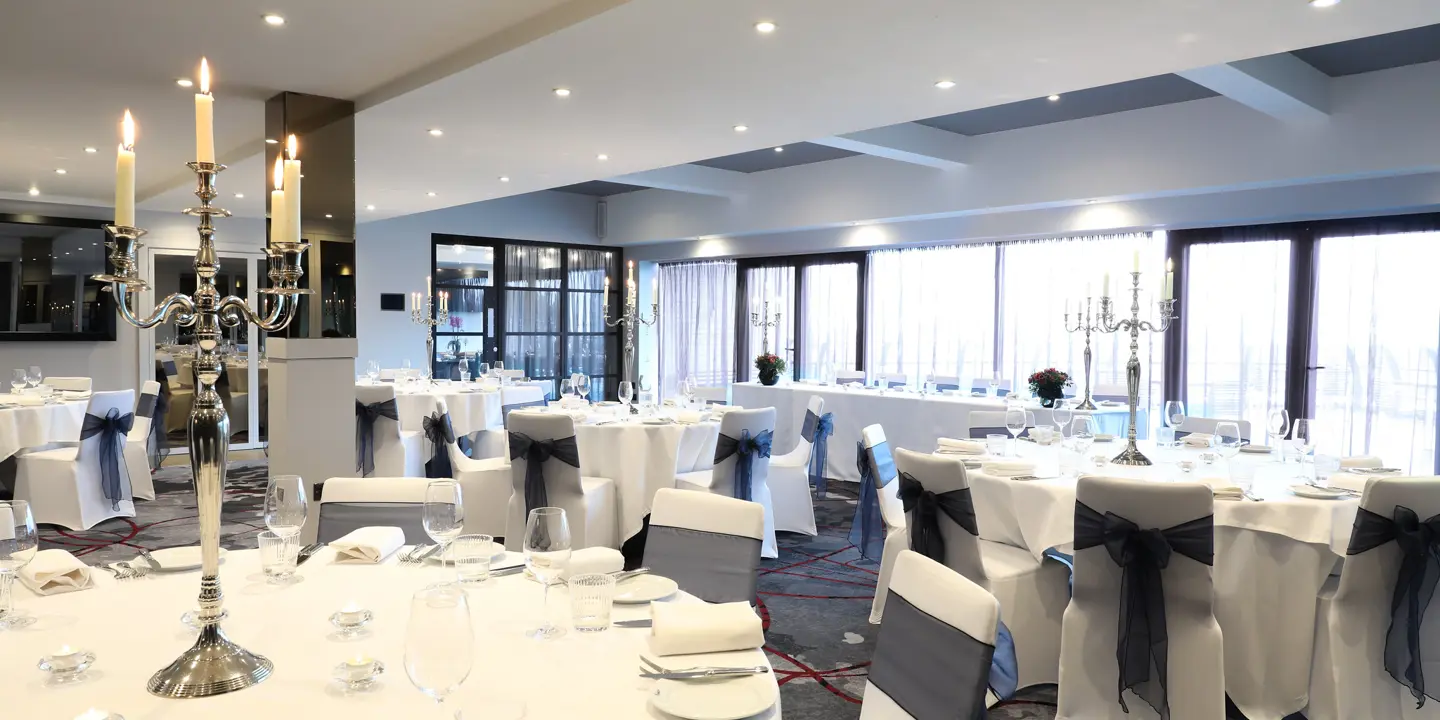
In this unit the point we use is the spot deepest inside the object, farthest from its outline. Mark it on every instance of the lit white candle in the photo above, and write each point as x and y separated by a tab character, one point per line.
352	612
93	714
1137	261
1105	288
427	286
1169	279
125	174
654	290
204	117
277	203
292	191
66	658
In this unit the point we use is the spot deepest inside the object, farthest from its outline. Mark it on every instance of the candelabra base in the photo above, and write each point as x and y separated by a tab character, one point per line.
1131	456
1087	405
213	666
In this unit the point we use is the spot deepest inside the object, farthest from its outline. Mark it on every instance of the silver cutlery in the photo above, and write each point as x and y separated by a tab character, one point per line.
133	572
513	570
409	557
656	672
645	623
623	575
154	564
307	552
1332	488
423	556
1253	497
110	570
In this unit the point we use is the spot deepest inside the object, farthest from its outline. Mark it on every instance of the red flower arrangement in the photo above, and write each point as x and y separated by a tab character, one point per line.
1049	384
770	367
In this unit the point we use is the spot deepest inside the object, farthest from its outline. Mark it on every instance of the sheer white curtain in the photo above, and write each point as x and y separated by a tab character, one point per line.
831	293
776	285
697	324
1236	318
1041	280
1377	336
931	310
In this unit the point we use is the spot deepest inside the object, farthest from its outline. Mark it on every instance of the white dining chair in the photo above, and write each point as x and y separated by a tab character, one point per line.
720	478
992	422
137	442
1111	392
892	514
398	453
789	478
1193	425
1089	669
590	503
1032	593
64	485
70	384
348	504
843	377
932	654
894	380
485	485
1348	676
717	395
708	544
981	384
945	382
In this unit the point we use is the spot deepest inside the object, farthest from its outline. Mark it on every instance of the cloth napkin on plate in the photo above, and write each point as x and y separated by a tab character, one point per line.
1008	468
1104	437
27	400
55	571
594	560
1197	440
1228	492
688	416
960	447
688	628
368	545
1361	461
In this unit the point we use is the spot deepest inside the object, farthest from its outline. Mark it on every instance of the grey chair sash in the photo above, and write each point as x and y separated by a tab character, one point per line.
171	369
338	519
505	410
942	387
441	434
112	430
715	567
536	452
930	669
146	407
365	418
979	433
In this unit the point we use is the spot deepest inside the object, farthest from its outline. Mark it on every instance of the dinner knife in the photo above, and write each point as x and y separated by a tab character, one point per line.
307	552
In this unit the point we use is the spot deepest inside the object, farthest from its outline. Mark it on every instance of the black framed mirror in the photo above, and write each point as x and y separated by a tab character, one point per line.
46	293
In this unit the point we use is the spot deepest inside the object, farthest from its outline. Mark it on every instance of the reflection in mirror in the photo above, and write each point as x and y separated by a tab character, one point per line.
45	284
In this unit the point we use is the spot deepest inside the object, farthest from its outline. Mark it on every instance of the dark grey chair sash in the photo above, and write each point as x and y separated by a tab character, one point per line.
146	407
979	433
930	669
338	519
171	368
112	430
536	453
441	434
715	567
926	507
942	387
505	410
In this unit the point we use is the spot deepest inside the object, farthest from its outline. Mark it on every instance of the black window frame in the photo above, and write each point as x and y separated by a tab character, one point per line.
744	355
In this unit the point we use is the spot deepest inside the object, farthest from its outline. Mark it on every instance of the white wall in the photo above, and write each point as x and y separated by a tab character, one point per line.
393	256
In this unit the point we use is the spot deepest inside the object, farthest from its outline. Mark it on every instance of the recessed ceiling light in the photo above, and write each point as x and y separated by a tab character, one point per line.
430	194
271	141
602	156
436	132
562	92
369	207
273	19
1053	98
504	178
741	128
1324	3
91	150
945	84
328	215
67	253
34	190
184	82
765	27
239	195
779	149
59	171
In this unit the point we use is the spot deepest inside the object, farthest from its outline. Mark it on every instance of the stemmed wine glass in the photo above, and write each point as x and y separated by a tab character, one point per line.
644	395
1277	424
1303	438
1174	414
285	509
627	394
1015	423
1082	433
582	386
18	381
1061	414
547	554
443	514
372	370
994	385
1227	442
567	386
482	370
18	545
34	377
439	642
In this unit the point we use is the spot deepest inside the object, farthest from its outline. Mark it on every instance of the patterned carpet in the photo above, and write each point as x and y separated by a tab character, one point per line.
815	599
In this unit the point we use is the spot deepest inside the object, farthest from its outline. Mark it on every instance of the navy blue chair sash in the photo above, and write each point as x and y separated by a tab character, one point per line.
877	469
817	430
748	448
1419	543
365	418
112	430
536	452
926	506
440	434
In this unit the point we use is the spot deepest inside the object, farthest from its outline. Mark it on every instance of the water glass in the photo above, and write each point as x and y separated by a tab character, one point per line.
464	373
1302	438
1165	436
1277	424
18	381
591	596
277	557
471	554
372	370
18	544
285	505
1242	474
443	513
626	394
1174	413
995	444
1082	433
483	369
439	641
34	377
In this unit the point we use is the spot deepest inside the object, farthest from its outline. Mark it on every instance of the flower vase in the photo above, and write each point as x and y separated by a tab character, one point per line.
769	377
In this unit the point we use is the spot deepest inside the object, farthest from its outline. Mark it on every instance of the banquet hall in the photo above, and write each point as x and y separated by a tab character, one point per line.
719	359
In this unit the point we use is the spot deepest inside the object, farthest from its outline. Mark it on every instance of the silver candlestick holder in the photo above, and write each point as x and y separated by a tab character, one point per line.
430	317
632	320
1087	324
214	665
763	321
1131	455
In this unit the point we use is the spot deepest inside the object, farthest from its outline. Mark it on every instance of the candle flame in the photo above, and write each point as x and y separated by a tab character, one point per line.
292	146
279	173
204	76
127	131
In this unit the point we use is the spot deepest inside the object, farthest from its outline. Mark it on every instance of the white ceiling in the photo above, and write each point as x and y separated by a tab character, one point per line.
655	82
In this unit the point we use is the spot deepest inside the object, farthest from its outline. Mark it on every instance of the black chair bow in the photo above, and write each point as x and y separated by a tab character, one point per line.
536	452
747	447
925	537
817	429
1142	639
1419	543
365	419
112	430
440	434
867	530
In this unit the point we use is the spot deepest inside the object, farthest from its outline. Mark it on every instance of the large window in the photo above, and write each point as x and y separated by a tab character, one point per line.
931	310
697	324
45	288
829	331
769	314
817	298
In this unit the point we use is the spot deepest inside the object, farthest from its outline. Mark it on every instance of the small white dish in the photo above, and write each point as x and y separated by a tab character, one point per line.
178	558
1315	493
725	698
656	421
643	589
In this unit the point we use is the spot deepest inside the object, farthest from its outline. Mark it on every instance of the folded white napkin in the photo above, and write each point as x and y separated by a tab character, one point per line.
55	571
594	560
1104	437
1043	435
1197	440
688	628
1228	492
722	409
26	400
688	416
1361	461
961	447
1008	468
368	544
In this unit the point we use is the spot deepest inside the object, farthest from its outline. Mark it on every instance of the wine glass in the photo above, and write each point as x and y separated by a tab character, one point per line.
18	381
645	395
18	545
1174	413
439	642
1062	414
627	393
285	505
1082	433
372	370
1227	442
547	554
1277	425
582	385
994	385
1302	437
482	370
1015	423
34	377
443	514
567	386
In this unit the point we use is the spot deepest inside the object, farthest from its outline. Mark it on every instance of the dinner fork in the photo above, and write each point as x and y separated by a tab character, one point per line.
656	671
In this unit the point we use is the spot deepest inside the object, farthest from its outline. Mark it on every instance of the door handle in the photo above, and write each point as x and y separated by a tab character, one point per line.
1314	367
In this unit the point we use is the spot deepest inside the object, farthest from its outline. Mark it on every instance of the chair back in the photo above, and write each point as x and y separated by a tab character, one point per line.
892	380
1207	425
813	411
981	385
388	374
734	424
144	411
562	481
942	475
348	504
708	544
945	382
239	377
891	510
513	374
849	376
101	403
384	427
719	395
1112	392
992	422
72	384
505	410
932	656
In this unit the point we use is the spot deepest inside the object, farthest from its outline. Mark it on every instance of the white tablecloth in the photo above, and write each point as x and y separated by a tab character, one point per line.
1271	557
642	459
472	408
134	629
911	420
36	425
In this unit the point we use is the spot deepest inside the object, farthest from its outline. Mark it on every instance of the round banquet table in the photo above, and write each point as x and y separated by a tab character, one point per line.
134	629
1271	557
473	407
36	425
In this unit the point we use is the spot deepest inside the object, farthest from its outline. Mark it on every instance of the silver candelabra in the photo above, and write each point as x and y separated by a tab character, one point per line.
763	321
1084	322
631	318
430	317
1131	455
214	665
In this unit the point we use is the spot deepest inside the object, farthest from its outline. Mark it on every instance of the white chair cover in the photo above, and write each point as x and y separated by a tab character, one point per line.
714	395
63	485
893	515
398	453
589	503
848	376
137	457
891	380
348	504
789	480
1089	670
708	544
945	382
484	484
720	478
